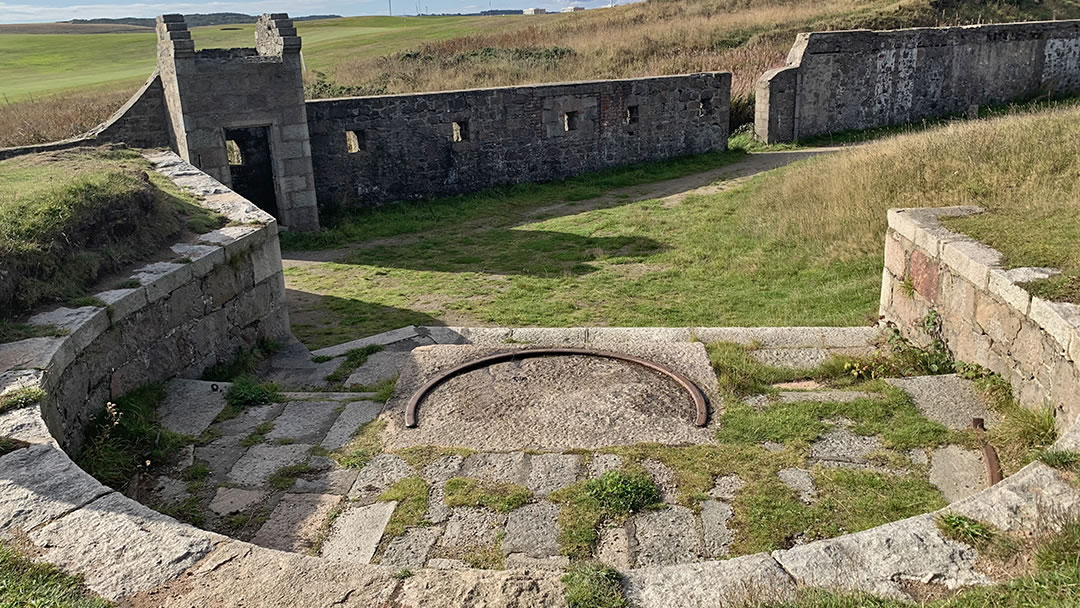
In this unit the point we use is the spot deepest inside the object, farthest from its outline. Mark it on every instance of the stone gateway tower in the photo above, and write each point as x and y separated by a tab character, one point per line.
239	115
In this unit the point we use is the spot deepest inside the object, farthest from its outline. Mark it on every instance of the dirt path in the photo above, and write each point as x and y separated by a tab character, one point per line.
671	192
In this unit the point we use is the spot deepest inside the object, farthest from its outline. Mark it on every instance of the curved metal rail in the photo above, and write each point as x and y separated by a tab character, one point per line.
695	392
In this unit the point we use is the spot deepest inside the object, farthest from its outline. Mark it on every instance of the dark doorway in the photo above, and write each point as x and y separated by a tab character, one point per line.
251	166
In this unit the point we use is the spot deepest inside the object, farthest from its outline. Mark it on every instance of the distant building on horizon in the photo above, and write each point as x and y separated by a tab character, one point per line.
573	9
536	11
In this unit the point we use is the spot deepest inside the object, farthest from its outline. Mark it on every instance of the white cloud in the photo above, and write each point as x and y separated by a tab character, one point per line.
28	13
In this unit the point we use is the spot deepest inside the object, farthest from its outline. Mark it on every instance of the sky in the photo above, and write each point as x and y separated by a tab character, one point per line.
62	10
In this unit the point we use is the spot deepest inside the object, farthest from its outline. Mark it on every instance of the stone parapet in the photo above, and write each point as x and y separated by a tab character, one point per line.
987	315
861	79
222	292
370	150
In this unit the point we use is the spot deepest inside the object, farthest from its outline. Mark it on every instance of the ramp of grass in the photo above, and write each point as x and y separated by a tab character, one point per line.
67	218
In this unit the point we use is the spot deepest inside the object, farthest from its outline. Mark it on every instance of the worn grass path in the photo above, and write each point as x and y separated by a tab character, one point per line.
674	252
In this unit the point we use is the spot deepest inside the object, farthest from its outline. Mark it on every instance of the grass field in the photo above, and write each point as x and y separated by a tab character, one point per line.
796	246
377	55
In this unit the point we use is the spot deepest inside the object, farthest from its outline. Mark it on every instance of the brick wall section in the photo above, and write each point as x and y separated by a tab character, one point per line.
988	317
185	316
406	147
839	81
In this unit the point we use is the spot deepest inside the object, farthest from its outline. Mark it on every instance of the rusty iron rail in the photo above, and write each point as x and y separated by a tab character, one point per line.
993	464
695	393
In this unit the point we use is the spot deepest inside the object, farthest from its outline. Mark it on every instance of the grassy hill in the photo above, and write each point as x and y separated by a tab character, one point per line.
376	55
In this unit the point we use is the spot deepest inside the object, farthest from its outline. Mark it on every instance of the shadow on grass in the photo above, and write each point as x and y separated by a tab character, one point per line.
501	251
320	321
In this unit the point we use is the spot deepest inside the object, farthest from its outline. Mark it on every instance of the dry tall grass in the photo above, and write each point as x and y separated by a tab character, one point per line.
44	119
1023	168
657	37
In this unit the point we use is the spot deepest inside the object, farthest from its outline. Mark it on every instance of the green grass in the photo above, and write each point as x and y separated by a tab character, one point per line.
1065	460
38	64
68	218
353	359
125	439
283	478
891	415
245	362
13	332
966	530
593	585
258	435
245	392
411	495
363	446
24	583
500	497
589	504
487	557
23	397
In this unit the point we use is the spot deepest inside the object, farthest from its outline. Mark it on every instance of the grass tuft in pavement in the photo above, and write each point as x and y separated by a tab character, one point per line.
363	446
966	530
501	497
411	495
353	359
23	397
593	585
246	392
589	504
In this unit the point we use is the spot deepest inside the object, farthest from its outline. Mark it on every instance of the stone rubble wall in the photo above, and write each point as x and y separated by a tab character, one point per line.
222	291
139	123
860	79
987	316
403	146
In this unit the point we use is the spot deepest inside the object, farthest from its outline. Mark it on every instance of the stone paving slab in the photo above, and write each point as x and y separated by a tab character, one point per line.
39	484
496	467
841	446
355	534
796	358
878	560
304	421
947	399
551	403
382	339
411	550
190	406
613	548
379	367
295	522
442	469
549	472
533	530
255	467
663	477
25	424
356	415
957	472
1027	502
717	537
121	547
800	481
734	582
522	561
667	536
249	419
233	500
602	463
221	455
334	481
379	474
825	396
471	527
264	578
726	487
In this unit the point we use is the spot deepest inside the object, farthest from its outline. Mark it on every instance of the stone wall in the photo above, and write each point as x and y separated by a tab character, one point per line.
223	291
987	316
839	81
139	123
209	91
368	150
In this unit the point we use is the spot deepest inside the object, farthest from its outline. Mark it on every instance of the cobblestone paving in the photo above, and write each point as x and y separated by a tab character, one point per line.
270	478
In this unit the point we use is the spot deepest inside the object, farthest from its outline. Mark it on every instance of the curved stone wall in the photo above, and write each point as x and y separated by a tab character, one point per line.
191	310
126	551
987	316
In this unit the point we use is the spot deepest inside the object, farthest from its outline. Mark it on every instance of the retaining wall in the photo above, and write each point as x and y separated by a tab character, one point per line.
222	291
839	81
987	316
369	150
